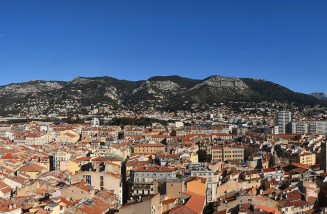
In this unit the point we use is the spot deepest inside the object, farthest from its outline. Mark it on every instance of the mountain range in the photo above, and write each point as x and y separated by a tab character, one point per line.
166	92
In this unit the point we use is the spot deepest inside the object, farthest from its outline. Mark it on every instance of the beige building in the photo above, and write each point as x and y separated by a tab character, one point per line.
222	189
67	136
78	191
147	205
142	178
286	207
99	180
173	188
149	148
227	152
35	139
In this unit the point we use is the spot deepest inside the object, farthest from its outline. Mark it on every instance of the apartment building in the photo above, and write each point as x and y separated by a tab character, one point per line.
227	152
283	118
146	205
314	127
149	148
58	157
277	173
303	158
142	178
252	178
99	180
210	181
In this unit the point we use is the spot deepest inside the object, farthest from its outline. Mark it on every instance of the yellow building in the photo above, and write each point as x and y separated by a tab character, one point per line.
149	148
194	158
227	152
301	206
265	164
252	178
33	170
304	158
74	166
197	185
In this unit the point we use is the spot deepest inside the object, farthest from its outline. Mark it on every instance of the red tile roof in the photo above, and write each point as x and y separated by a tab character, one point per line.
196	202
97	206
294	195
172	200
181	210
31	168
300	203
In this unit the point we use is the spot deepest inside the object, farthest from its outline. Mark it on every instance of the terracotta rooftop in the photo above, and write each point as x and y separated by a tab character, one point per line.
172	200
196	202
31	168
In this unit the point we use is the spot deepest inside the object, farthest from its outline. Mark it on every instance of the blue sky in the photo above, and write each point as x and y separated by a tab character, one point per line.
280	41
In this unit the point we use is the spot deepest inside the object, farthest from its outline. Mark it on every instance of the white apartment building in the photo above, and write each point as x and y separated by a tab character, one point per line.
314	127
283	118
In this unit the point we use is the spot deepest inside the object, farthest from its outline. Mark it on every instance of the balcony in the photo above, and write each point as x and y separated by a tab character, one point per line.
144	192
142	186
145	182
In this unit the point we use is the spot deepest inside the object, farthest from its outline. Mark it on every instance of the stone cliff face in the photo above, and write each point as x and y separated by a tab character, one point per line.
111	92
319	95
29	87
157	86
221	82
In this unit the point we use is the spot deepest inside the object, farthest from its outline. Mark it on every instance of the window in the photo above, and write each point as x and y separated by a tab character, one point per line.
179	192
82	192
101	181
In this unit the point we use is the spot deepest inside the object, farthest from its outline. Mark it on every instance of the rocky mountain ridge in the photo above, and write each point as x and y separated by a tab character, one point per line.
168	92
